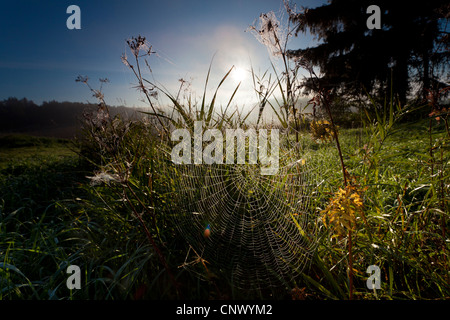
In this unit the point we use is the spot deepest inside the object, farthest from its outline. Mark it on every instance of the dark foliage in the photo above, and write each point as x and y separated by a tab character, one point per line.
52	119
411	46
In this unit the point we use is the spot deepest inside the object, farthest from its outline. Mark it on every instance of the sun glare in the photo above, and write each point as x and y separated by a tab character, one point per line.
239	74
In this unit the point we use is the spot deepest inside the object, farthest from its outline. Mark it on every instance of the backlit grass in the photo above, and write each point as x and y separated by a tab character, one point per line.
52	217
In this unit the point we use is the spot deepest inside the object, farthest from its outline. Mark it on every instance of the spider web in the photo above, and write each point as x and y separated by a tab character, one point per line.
262	232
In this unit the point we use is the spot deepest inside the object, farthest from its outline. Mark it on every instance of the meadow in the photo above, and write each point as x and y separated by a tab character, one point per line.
120	234
355	191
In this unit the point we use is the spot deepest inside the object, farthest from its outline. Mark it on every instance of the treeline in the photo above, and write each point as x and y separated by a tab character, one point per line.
52	119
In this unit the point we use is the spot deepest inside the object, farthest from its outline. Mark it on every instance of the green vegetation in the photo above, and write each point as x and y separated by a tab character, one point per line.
403	228
51	217
34	183
21	150
381	197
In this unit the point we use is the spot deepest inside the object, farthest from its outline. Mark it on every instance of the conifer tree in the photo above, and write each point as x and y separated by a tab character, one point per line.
410	47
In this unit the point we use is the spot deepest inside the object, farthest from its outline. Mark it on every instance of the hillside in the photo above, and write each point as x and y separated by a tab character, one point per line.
50	119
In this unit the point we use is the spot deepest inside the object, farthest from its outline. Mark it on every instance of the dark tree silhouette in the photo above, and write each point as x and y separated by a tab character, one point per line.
411	46
51	118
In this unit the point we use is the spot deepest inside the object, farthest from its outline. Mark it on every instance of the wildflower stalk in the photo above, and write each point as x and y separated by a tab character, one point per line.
290	98
275	35
336	137
325	101
344	174
267	34
136	45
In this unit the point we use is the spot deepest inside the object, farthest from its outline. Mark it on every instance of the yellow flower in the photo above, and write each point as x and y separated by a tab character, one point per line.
342	210
321	130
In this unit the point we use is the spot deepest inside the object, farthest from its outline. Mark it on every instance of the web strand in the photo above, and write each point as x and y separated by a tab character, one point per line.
261	227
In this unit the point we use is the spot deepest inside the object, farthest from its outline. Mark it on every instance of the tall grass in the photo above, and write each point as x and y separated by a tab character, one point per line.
402	205
402	228
48	222
109	209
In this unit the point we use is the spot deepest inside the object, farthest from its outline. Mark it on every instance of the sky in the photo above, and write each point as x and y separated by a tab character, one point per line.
40	57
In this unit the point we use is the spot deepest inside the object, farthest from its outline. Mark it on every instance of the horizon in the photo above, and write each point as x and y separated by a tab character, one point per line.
41	58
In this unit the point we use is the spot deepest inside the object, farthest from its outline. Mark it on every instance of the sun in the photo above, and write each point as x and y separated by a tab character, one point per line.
239	74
